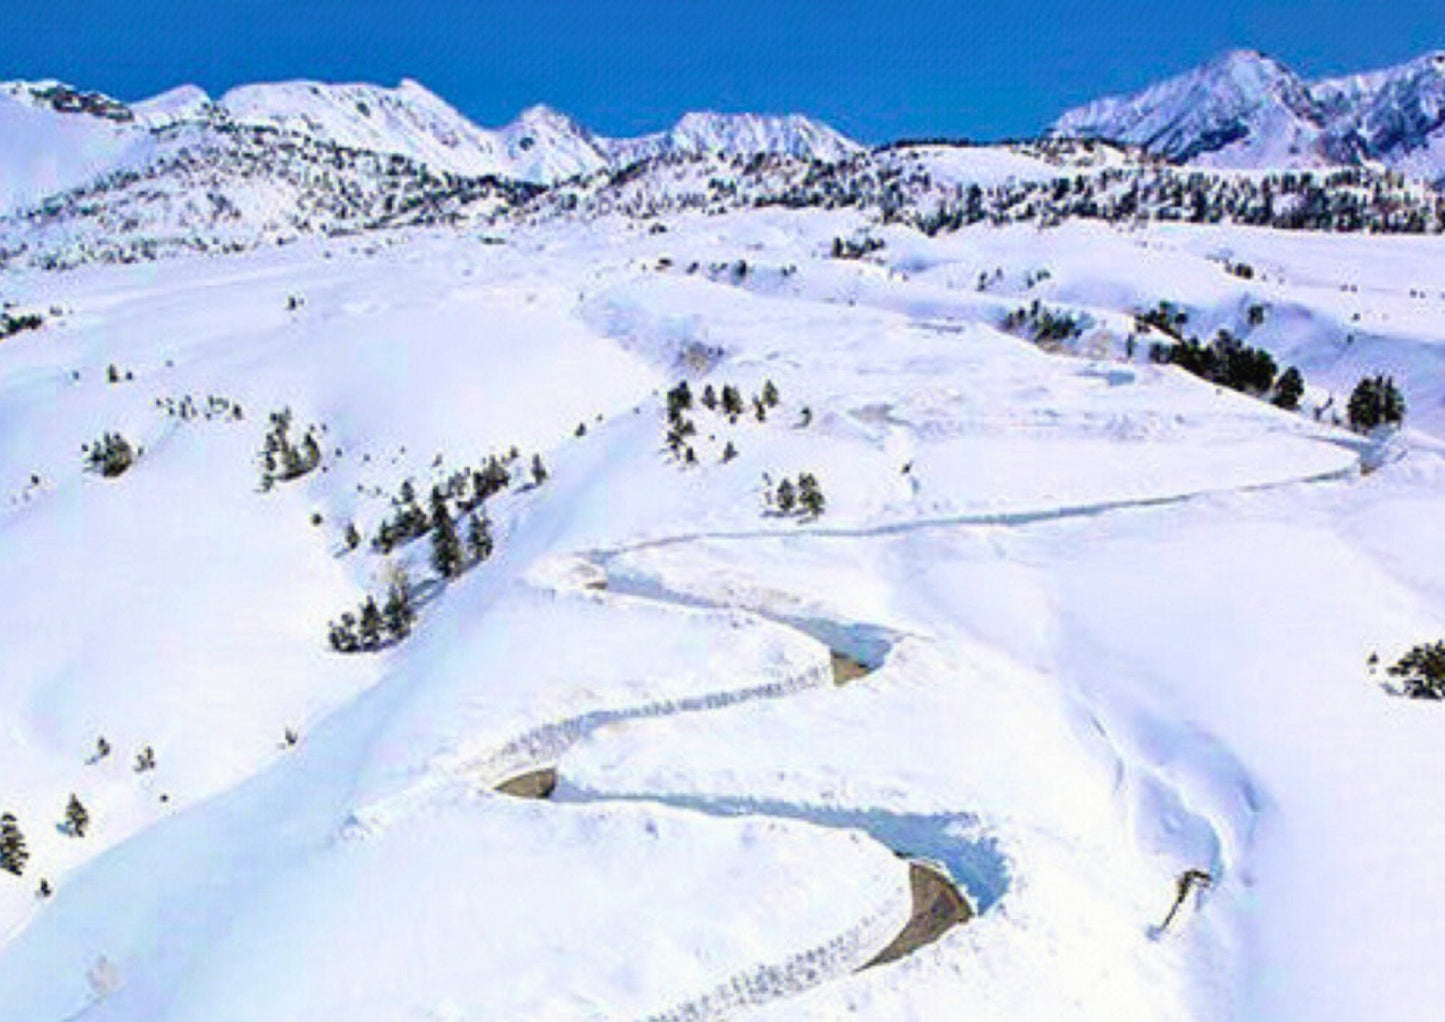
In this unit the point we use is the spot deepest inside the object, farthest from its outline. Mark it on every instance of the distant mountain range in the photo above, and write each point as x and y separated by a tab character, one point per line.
1247	110
87	178
58	137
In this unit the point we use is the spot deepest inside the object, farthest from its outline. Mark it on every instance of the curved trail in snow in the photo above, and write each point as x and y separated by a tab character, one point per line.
527	766
987	519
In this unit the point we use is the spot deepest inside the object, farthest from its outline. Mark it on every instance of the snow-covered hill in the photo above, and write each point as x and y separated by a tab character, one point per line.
1245	109
1119	623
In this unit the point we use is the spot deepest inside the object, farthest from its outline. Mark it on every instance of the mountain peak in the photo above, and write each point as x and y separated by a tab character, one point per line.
1239	108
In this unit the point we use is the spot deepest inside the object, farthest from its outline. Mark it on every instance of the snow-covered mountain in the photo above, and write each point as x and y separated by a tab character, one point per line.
1242	109
541	146
1245	109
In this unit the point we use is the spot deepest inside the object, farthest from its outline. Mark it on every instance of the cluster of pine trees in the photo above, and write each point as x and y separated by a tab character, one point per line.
1374	402
804	498
461	538
1421	671
111	455
14	852
11	324
1043	325
281	459
1226	360
466	489
372	627
727	402
856	248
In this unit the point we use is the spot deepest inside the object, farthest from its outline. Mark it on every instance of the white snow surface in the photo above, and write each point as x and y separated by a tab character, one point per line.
1120	618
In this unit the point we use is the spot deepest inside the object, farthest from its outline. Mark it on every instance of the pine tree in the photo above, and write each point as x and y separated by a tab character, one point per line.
1375	401
770	394
1288	390
709	397
310	453
729	452
77	818
539	470
353	537
810	494
398	611
479	537
369	630
343	635
679	399
786	498
732	401
145	760
13	853
446	550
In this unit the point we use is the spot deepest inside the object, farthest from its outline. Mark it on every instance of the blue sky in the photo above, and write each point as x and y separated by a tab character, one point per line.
876	70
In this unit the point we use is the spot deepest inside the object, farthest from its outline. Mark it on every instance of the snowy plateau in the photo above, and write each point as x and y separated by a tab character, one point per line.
458	574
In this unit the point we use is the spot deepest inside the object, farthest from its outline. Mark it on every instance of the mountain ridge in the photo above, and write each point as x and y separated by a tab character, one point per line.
540	146
1247	110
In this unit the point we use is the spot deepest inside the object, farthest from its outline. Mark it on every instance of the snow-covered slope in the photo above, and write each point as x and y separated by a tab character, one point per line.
46	151
1245	109
1119	621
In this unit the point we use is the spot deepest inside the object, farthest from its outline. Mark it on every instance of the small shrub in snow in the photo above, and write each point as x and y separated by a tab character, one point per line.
102	750
111	455
145	760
